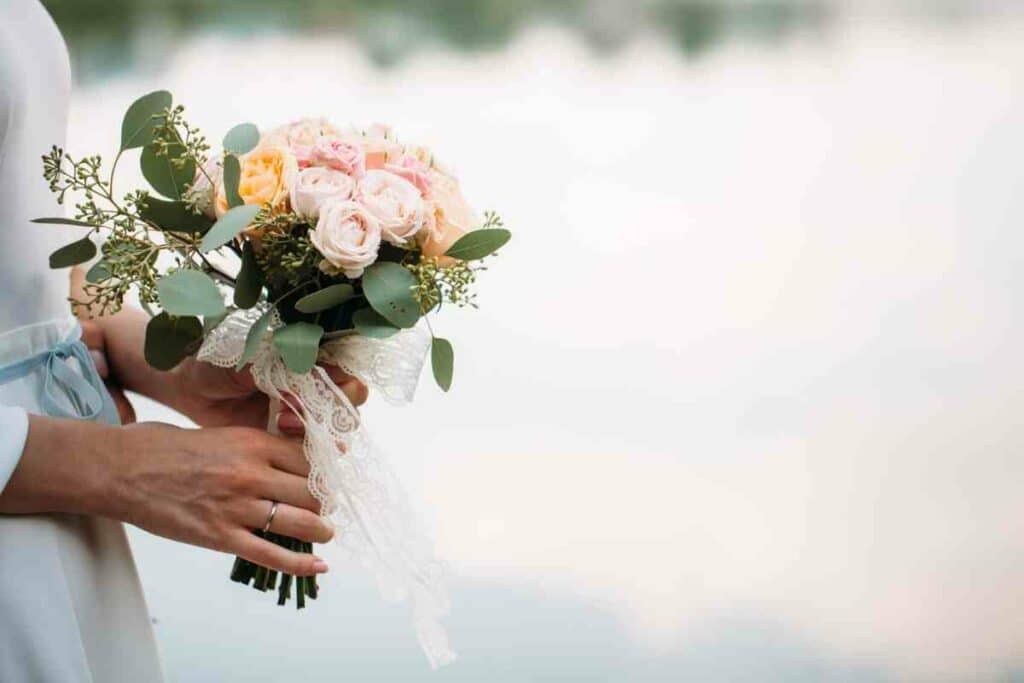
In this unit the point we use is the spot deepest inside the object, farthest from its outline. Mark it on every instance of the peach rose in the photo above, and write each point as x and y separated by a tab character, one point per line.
263	179
449	217
347	236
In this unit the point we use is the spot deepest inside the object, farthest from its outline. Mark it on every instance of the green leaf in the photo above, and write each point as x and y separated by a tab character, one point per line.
170	340
479	243
189	292
442	362
227	228
72	254
249	284
99	272
232	173
161	173
328	297
388	287
299	344
369	323
174	216
138	124
242	138
62	221
253	338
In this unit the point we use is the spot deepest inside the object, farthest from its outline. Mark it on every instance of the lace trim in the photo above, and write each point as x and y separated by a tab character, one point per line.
360	494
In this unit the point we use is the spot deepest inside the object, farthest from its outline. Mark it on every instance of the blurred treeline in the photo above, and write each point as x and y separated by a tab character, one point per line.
107	35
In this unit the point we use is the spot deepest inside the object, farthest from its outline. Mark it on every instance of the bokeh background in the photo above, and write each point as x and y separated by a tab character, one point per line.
743	399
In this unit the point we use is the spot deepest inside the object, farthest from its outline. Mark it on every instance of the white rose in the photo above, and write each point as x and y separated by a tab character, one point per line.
347	236
394	202
311	187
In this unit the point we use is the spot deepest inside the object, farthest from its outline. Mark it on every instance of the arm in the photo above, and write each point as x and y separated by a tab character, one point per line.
206	487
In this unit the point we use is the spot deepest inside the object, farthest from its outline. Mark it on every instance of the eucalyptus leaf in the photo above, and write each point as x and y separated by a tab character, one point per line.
99	272
253	338
165	178
227	228
139	121
249	283
369	323
174	216
442	362
242	138
479	243
298	344
169	340
328	297
232	174
189	292
62	221
72	254
388	287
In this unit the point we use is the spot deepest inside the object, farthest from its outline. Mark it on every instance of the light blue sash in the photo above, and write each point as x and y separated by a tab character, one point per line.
84	396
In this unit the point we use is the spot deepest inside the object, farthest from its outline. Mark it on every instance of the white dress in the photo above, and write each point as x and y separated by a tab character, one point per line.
71	606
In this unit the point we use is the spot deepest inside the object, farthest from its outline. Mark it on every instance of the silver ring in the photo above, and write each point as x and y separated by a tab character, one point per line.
270	517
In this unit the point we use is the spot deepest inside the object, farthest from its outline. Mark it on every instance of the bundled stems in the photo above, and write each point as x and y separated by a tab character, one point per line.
263	579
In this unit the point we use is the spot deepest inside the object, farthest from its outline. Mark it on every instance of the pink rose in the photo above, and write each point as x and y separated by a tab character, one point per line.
413	170
332	152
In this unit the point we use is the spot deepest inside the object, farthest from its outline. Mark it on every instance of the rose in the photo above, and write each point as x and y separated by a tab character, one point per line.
413	170
347	236
202	192
449	217
336	153
263	178
394	202
302	133
311	187
380	146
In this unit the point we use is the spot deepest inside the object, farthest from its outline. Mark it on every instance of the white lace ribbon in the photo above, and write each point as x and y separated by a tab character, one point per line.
360	494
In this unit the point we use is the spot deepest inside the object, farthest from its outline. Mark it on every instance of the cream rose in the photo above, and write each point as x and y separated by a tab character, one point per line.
449	217
202	193
394	202
263	179
312	187
347	236
301	134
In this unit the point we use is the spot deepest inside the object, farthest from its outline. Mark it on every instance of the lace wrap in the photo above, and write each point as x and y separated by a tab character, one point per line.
360	494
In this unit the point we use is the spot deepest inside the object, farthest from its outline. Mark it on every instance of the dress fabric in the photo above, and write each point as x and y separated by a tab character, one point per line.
71	605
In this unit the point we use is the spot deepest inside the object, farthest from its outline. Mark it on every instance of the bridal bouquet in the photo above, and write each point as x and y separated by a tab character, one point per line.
330	245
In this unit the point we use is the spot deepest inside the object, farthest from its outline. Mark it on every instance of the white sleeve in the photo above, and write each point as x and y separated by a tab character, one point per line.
13	432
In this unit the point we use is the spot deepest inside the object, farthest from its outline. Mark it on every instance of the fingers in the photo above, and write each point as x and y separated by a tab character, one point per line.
289	521
288	488
125	409
267	554
287	455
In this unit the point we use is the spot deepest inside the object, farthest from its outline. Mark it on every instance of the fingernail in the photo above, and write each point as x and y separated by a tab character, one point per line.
319	566
100	361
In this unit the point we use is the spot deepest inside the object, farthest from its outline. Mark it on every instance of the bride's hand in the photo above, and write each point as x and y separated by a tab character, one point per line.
211	487
215	397
206	487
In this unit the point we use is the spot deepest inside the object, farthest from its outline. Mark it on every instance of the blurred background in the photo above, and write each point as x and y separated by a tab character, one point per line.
742	402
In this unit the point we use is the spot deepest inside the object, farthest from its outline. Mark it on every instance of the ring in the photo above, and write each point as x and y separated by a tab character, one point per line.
270	517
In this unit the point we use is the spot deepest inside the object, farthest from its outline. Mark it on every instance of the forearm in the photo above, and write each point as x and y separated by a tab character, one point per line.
125	335
64	467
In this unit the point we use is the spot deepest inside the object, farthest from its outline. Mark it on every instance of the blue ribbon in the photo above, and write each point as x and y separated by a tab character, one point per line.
82	389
